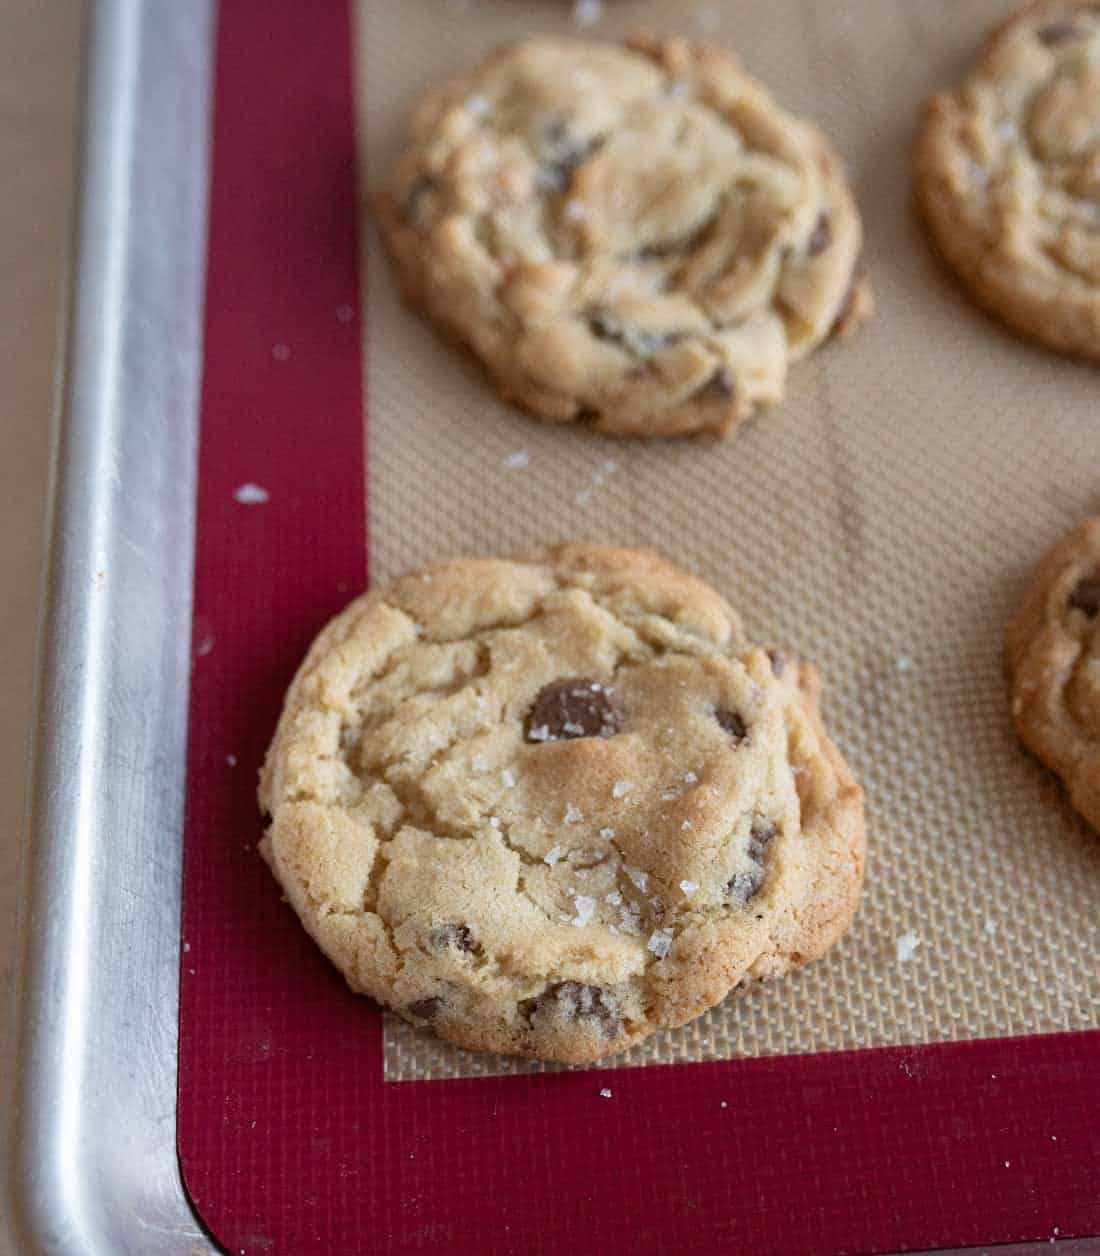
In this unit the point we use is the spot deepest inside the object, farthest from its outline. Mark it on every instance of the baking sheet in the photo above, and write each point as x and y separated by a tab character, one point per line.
881	521
290	1137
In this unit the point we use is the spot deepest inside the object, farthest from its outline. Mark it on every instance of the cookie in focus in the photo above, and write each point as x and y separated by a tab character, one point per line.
638	237
551	804
1008	175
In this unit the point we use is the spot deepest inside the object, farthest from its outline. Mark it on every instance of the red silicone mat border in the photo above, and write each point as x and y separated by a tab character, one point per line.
288	1138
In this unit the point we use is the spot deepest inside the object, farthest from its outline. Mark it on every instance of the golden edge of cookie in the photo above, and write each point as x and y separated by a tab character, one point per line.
713	418
1040	658
1039	313
831	809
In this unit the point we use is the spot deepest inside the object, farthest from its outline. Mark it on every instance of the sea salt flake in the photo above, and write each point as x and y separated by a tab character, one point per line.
723	1104
478	105
494	822
573	815
621	788
690	778
689	887
573	730
187	946
605	1093
542	733
251	495
614	898
669	795
660	942
607	834
907	945
629	920
638	876
685	826
553	855
575	211
990	927
587	12
903	662
508	779
521	458
480	763
586	909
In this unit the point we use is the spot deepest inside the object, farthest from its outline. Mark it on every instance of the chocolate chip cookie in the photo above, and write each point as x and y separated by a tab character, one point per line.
1053	650
548	805
1008	175
634	236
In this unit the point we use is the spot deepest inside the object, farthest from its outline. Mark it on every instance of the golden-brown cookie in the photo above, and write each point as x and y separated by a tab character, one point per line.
637	236
551	804
1053	651
1008	175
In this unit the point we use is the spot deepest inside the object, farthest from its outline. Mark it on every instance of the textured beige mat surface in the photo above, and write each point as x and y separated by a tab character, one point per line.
881	521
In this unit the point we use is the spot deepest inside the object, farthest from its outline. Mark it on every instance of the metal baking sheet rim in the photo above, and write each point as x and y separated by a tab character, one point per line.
92	1165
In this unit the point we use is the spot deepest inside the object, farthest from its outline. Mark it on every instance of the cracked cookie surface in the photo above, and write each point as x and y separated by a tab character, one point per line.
636	236
548	805
1008	175
1053	654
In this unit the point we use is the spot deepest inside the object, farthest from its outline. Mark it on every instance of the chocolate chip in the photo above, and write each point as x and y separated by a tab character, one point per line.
576	1002
760	835
1086	596
266	819
425	1009
457	937
779	661
578	707
822	234
607	325
560	154
415	206
733	724
1058	33
718	388
745	885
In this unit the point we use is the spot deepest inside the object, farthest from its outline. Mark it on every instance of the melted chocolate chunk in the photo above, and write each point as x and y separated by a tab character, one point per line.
578	707
745	885
733	724
425	1009
1086	596
457	937
576	1002
822	234
1058	33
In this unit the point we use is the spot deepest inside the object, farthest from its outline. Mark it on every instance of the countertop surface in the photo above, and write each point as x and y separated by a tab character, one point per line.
39	56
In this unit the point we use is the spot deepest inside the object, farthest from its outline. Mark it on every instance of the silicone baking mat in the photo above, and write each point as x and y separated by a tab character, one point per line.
882	521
